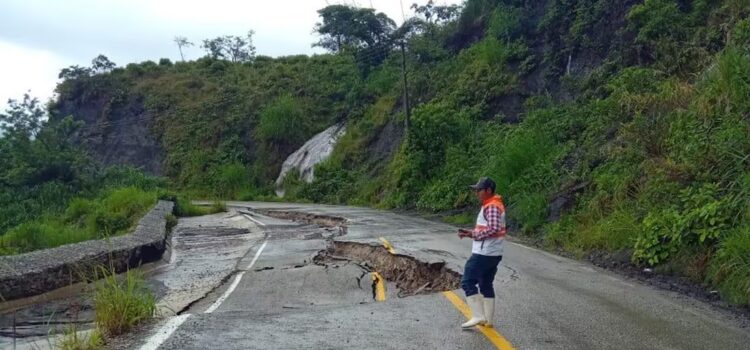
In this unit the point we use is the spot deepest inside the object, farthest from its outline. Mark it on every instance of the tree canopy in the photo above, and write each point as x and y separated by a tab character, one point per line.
230	47
344	27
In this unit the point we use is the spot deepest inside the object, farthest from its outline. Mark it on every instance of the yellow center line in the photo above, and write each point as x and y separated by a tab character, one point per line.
388	246
379	286
492	334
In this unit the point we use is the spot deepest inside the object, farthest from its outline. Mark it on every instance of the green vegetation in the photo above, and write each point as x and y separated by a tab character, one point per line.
73	340
121	303
82	220
185	208
617	127
52	194
645	142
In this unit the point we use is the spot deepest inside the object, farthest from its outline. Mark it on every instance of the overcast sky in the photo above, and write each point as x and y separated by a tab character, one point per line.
40	37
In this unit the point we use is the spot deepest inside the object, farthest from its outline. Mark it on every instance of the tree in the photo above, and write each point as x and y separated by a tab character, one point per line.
428	20
22	119
344	27
102	64
36	150
229	47
181	42
74	72
436	14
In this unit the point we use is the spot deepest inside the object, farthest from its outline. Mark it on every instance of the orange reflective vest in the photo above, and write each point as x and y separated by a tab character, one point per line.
482	223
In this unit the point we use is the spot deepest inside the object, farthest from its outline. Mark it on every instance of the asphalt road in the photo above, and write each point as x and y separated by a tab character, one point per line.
257	288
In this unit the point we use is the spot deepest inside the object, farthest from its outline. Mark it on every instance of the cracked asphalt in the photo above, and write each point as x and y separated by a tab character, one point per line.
285	301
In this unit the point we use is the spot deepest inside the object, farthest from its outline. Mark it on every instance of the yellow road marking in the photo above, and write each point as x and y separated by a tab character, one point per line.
379	286
387	245
492	335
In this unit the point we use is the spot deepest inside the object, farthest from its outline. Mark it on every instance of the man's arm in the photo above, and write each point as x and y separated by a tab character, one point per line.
495	224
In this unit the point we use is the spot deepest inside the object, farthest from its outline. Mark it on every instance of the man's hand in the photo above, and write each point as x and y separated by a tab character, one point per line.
463	233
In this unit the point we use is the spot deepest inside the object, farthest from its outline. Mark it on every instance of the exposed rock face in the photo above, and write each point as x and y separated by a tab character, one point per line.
314	151
117	134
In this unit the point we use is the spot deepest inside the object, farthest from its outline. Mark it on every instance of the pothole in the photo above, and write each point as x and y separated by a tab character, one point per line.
410	275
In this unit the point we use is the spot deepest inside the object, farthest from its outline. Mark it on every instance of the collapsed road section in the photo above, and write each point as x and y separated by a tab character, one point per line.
410	275
312	287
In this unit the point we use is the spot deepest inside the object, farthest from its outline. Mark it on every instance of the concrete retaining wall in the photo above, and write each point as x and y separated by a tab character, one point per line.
41	271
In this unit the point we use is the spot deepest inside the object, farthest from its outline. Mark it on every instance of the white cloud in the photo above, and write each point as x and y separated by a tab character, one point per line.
23	69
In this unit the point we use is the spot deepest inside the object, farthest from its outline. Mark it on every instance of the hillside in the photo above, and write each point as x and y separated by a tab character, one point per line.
608	127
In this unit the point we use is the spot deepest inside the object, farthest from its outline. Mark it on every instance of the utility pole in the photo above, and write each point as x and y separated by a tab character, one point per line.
406	88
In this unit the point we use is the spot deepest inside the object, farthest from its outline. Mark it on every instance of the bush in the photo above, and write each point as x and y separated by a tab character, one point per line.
171	221
701	219
505	23
121	303
40	234
231	180
73	340
83	220
523	166
283	121
730	266
185	208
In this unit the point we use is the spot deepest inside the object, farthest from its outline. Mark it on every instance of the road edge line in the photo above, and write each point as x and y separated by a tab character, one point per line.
490	333
164	332
236	281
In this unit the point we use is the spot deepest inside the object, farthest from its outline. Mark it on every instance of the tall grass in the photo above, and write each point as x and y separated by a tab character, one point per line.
83	219
121	303
730	267
185	208
41	234
74	340
231	180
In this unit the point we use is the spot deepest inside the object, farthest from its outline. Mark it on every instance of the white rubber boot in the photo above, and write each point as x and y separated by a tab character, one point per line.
489	311
477	311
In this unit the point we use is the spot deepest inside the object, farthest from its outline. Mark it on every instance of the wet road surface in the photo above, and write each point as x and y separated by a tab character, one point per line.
261	289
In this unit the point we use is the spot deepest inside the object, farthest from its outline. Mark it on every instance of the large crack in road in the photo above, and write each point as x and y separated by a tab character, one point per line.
410	275
313	287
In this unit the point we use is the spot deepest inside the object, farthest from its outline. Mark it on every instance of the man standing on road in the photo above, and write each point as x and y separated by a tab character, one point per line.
486	252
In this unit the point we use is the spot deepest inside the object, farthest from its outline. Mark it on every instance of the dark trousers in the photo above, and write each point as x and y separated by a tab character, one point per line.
480	270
